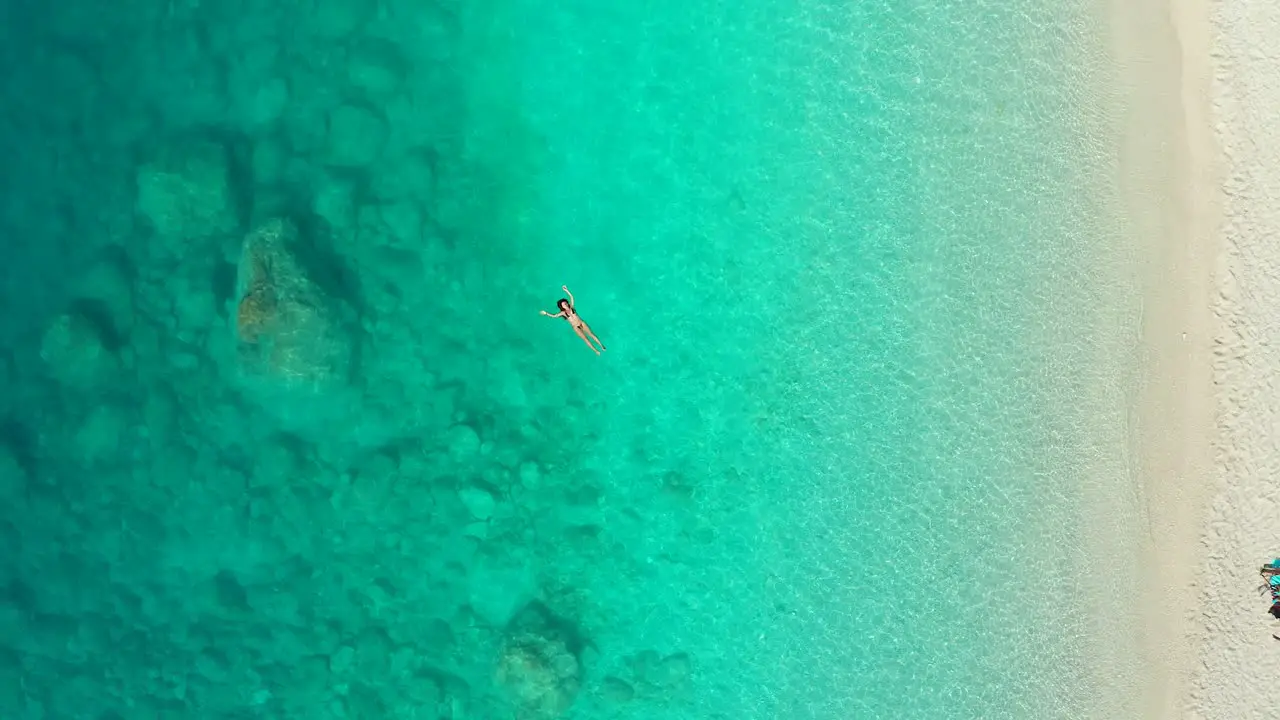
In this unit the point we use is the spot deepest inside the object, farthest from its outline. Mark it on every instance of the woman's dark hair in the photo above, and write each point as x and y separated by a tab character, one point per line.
562	303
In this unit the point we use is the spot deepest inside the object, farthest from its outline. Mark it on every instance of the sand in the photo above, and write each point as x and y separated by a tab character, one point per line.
1237	671
1199	170
1169	174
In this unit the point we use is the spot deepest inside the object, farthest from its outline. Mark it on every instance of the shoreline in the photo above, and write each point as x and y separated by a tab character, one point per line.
1168	188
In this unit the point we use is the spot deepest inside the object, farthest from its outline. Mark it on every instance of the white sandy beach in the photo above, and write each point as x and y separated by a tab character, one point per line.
1201	169
1237	663
1193	85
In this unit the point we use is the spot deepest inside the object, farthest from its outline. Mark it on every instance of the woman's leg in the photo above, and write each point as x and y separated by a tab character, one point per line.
585	340
593	335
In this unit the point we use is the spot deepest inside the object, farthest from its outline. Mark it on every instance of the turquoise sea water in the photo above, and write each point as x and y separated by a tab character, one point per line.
285	436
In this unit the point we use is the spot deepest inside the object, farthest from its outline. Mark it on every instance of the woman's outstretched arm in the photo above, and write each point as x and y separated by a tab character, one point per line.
565	288
556	315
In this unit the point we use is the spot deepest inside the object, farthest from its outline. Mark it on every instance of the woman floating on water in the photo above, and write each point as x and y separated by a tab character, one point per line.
568	313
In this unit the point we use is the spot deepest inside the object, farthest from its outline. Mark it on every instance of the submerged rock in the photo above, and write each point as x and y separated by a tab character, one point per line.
108	285
356	138
538	665
657	676
185	193
76	351
13	475
287	329
376	67
338	19
499	586
479	501
617	691
463	442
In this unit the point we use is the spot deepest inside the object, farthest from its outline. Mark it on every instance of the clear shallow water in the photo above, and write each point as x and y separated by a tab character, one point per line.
865	382
881	222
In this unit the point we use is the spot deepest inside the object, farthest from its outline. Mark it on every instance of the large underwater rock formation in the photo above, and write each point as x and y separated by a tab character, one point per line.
289	332
539	666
